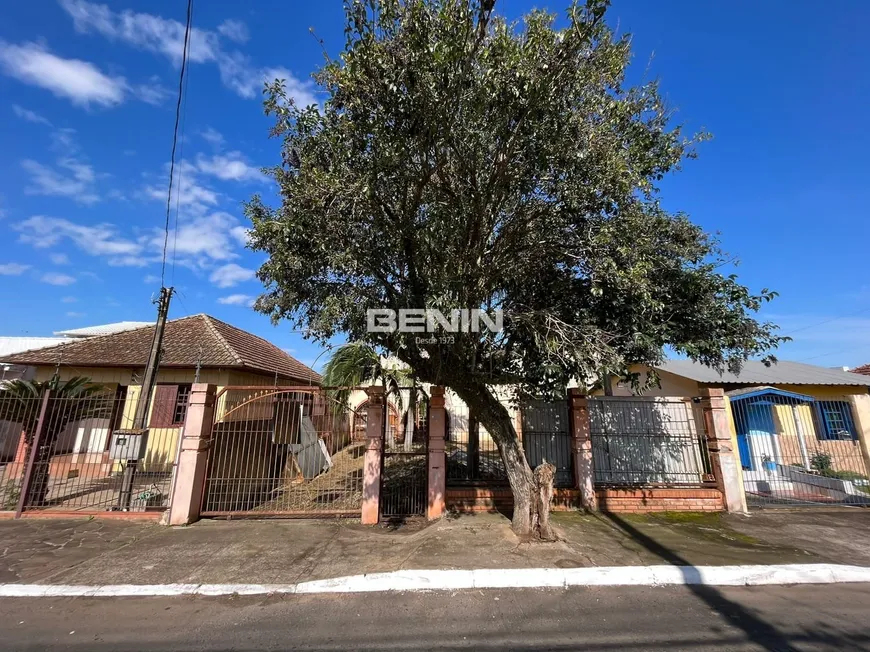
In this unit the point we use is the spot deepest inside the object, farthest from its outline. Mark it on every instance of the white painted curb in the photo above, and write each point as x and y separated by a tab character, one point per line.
449	580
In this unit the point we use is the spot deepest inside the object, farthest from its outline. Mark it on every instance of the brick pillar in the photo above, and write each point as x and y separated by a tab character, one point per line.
719	443
374	450
584	476
193	456
437	458
861	416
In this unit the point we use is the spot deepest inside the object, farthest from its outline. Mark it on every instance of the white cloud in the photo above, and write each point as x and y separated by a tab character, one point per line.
75	314
235	30
229	167
152	92
151	278
30	116
79	81
13	269
76	182
240	233
213	137
96	240
59	259
201	241
230	275
53	278
166	37
186	189
237	300
69	300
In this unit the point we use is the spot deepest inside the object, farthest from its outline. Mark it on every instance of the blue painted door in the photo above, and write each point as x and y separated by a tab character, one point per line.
743	448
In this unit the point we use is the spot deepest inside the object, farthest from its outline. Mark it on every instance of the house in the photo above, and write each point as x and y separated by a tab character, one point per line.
801	430
863	370
198	348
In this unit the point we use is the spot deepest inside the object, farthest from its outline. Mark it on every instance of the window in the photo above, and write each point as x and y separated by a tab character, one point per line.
182	398
169	407
835	420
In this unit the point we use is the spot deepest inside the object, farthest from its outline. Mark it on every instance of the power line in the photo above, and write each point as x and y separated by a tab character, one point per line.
827	321
181	168
184	54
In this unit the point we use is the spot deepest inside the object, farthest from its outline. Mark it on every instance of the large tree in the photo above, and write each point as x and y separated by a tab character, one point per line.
462	161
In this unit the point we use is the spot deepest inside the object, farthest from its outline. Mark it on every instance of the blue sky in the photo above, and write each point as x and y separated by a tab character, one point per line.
86	114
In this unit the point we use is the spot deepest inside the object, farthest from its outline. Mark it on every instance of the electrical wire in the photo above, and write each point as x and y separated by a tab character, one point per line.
184	55
181	167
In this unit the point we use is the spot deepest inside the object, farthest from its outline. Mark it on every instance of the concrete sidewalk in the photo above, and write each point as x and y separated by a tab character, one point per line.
105	552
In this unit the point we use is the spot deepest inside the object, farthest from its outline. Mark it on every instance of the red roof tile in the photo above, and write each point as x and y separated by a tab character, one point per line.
187	340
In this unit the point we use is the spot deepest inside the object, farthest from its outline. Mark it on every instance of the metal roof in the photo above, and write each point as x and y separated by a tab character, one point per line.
755	372
10	345
104	329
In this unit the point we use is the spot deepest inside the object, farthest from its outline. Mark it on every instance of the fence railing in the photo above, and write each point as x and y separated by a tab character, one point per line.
798	450
55	453
284	451
547	437
648	441
472	454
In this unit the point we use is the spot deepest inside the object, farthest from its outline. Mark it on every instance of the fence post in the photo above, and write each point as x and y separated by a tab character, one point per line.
719	443
581	444
437	486
371	506
33	455
189	482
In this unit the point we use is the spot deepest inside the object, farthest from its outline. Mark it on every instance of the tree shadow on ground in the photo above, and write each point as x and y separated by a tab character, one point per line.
755	628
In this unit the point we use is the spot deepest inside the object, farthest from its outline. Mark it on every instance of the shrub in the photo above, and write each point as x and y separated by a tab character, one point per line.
821	462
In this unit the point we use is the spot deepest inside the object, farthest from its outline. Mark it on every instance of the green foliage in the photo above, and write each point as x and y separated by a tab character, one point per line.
355	364
461	161
821	462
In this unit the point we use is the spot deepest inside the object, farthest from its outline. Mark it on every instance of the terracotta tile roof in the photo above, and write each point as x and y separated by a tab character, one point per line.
215	343
863	369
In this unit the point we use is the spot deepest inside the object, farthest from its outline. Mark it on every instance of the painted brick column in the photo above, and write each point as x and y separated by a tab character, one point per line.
722	458
437	488
193	456
374	451
861	415
581	444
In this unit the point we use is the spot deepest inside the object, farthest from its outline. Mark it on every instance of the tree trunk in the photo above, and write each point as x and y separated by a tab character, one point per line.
495	418
544	476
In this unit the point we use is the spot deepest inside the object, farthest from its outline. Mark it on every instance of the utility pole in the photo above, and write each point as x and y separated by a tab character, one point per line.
139	432
150	378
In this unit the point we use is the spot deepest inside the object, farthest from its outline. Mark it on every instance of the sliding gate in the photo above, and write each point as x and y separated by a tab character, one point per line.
284	451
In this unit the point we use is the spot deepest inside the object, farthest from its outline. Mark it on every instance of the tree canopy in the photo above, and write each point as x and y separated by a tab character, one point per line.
459	160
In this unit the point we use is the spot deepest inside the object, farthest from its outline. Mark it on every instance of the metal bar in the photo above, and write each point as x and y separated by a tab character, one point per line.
34	452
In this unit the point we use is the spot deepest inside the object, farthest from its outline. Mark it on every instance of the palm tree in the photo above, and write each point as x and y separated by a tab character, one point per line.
73	400
356	363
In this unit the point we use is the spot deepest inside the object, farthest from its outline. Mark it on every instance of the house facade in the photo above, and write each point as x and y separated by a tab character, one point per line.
198	348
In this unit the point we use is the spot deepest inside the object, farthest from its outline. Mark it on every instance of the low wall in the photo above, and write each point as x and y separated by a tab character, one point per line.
490	499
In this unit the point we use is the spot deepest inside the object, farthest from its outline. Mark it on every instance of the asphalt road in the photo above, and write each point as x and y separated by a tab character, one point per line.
824	617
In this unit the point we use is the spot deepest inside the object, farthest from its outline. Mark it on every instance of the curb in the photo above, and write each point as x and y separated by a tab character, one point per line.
448	580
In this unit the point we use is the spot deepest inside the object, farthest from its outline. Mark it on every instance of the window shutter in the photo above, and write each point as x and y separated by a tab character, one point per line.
163	407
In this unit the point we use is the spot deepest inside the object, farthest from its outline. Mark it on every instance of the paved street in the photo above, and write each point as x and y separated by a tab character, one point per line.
832	617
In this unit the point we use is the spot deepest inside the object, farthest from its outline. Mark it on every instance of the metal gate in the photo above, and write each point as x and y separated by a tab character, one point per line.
55	451
797	450
546	437
405	459
284	451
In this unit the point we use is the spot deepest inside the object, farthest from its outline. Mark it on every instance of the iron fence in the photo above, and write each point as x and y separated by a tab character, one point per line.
472	454
404	462
798	450
647	441
55	453
284	451
547	437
